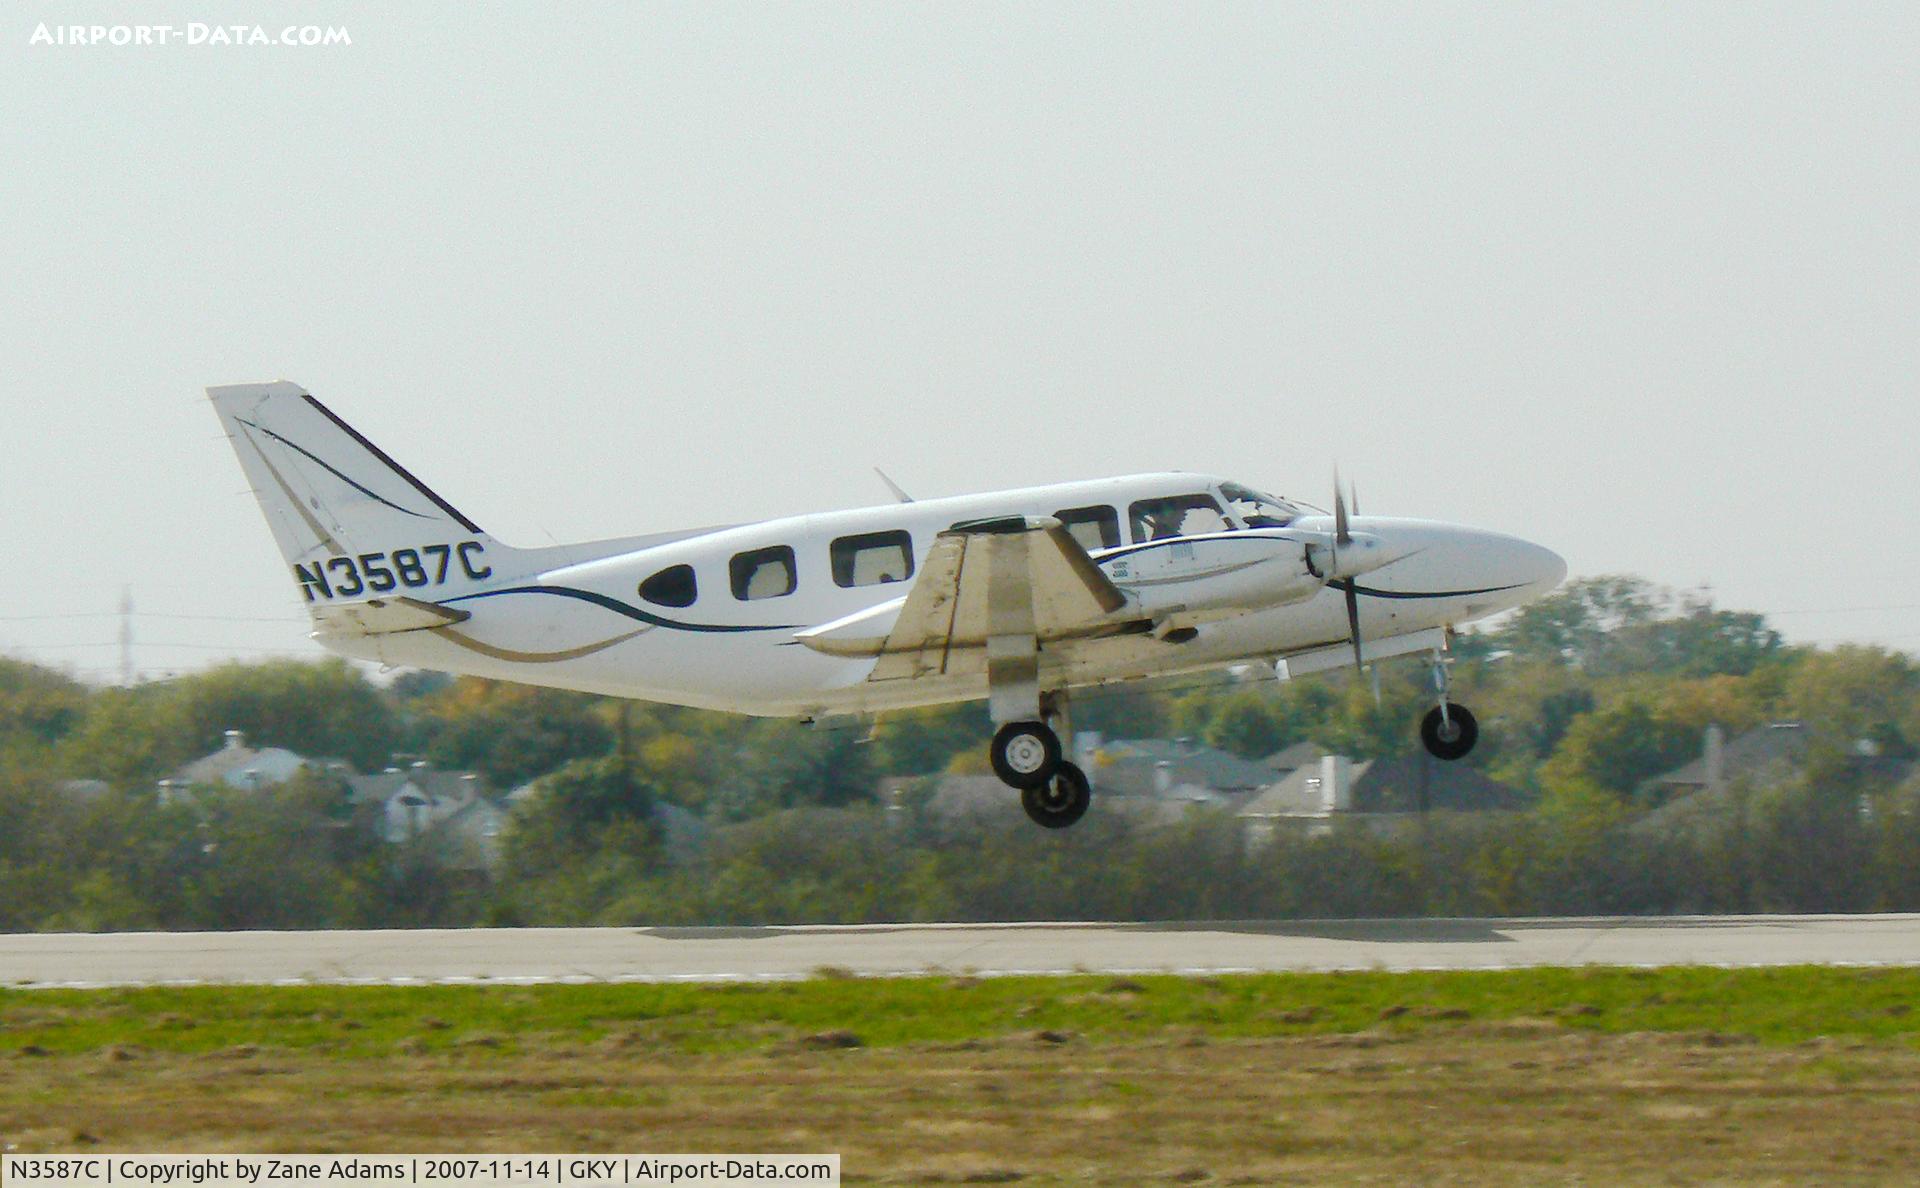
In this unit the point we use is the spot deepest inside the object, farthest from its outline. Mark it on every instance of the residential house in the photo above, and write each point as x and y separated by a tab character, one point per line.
1379	792
1764	755
1705	790
235	765
410	800
1179	771
468	838
1287	760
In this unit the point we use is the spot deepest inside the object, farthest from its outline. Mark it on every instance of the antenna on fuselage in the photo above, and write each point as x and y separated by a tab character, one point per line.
902	496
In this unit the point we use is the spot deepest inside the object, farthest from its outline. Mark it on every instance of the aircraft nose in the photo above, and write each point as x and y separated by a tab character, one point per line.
1523	570
1463	573
1539	568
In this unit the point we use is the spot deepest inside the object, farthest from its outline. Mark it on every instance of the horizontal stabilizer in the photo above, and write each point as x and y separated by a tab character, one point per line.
382	616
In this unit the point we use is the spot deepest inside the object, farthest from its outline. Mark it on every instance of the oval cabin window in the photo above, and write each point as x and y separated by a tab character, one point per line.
673	586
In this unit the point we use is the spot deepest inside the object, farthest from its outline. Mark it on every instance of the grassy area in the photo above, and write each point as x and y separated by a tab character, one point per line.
1517	1076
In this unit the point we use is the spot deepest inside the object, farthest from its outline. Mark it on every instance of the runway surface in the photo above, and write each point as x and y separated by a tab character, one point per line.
531	955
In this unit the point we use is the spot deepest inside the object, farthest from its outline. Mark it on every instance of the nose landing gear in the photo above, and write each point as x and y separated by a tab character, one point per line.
1448	731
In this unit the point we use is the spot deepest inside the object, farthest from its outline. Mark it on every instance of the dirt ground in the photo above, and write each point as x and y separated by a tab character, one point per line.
1513	1101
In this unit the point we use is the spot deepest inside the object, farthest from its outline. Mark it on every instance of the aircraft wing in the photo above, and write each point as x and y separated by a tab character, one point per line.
382	616
1014	577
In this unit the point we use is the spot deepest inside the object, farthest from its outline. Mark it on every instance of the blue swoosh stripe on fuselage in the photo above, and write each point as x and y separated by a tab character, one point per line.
620	608
1106	555
1372	593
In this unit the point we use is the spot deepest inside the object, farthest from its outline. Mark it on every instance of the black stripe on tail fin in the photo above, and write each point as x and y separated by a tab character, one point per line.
455	513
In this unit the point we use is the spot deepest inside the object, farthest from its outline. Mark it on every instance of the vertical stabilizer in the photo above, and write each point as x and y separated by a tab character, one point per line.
352	522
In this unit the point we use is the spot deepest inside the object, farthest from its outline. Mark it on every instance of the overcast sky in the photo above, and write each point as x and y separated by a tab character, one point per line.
1641	283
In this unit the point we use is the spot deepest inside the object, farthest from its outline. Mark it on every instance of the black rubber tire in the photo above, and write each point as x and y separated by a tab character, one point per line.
1025	754
1460	739
1060	801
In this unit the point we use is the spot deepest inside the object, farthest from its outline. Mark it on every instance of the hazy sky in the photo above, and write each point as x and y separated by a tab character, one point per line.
1641	283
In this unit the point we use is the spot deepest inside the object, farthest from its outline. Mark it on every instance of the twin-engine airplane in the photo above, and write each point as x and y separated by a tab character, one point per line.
1018	597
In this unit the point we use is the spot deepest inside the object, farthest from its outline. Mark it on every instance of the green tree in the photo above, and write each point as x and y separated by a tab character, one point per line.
130	737
584	840
1617	748
920	741
787	765
1855	694
1246	724
324	709
588	795
38	706
511	733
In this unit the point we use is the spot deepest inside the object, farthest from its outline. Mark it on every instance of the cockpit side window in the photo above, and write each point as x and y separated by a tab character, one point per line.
1175	515
1093	527
1255	510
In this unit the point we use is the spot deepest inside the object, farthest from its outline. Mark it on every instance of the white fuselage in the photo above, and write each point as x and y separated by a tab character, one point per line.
727	640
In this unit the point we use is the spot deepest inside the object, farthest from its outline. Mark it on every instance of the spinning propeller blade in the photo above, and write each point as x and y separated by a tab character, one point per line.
1343	535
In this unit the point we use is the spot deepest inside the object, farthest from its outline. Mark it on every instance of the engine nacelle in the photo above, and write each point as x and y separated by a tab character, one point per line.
1227	571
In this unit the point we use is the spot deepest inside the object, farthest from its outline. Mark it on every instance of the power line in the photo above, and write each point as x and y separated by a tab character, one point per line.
1843	610
159	643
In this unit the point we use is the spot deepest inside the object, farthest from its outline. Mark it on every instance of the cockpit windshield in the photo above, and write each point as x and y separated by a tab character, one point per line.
1255	510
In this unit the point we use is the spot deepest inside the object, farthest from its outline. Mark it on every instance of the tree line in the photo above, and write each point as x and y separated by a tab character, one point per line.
1584	697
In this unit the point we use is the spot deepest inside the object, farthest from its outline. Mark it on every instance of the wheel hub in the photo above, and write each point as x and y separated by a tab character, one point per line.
1026	754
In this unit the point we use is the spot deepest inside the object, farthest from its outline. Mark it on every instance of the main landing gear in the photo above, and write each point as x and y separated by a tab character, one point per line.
1449	731
1060	801
1027	755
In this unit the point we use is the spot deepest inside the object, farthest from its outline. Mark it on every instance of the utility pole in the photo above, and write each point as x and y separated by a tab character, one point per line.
126	636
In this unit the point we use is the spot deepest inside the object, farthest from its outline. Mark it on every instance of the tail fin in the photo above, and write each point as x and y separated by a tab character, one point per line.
352	522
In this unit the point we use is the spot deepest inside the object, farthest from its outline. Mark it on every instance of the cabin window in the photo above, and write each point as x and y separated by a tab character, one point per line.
1093	527
1175	515
872	559
764	573
672	586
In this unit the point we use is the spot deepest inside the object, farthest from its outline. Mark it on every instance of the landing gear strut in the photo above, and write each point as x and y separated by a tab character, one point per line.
1448	731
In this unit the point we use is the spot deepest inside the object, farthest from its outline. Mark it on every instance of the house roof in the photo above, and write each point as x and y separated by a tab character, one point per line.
1296	794
1388	786
215	768
1295	757
440	785
1777	743
1131	767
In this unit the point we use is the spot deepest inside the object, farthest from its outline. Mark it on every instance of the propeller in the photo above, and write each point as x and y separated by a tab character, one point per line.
1343	536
